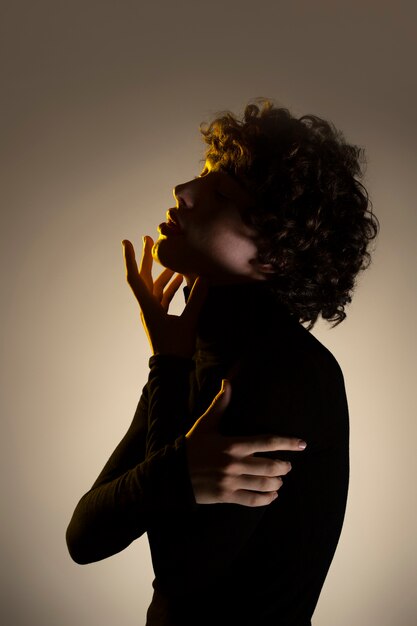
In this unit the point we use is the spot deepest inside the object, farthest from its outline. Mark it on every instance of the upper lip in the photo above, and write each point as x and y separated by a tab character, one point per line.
172	216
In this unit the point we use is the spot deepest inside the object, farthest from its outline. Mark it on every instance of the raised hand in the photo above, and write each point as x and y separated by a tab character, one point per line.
224	469
167	334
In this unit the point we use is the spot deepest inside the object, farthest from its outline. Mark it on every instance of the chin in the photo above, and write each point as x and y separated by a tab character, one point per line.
162	254
156	253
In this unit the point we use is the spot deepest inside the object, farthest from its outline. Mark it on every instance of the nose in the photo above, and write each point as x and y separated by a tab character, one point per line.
177	194
183	195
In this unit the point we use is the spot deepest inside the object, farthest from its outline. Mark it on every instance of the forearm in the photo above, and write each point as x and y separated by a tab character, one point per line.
112	515
168	400
146	473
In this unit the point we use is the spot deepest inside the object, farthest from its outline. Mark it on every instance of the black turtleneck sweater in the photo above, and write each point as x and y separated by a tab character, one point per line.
228	564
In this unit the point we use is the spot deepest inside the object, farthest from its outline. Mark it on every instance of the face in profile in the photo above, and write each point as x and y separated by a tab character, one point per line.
204	235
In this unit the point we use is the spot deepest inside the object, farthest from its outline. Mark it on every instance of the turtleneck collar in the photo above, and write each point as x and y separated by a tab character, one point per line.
234	315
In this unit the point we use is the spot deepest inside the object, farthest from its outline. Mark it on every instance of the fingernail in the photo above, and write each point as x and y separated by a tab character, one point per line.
302	444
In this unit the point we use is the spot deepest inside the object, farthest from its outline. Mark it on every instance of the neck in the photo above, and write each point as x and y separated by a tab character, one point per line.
223	281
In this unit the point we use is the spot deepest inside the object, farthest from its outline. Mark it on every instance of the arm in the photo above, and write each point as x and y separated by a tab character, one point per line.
283	548
149	472
145	474
222	470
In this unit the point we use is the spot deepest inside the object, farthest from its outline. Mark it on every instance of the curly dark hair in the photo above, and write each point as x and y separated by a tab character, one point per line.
312	214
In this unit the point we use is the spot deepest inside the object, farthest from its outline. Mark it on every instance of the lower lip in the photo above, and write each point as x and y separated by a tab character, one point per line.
169	229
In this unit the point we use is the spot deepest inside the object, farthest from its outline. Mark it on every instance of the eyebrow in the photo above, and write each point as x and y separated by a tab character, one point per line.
229	191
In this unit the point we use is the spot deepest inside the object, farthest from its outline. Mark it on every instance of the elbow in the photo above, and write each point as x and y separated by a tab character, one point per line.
92	537
81	536
78	545
88	545
79	557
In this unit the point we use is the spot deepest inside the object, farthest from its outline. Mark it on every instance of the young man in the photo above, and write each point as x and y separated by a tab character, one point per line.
242	492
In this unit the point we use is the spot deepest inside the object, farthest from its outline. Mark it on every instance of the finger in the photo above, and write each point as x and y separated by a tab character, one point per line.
170	291
161	282
145	267
268	443
195	300
262	466
252	498
130	260
258	483
142	294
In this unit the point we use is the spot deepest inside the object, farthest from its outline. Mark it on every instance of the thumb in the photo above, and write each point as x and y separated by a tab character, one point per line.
211	417
219	404
195	301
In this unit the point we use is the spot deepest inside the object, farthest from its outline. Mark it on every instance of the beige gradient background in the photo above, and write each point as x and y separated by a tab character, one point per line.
101	102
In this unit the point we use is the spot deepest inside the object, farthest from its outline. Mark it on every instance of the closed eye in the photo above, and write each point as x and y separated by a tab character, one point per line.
221	195
218	192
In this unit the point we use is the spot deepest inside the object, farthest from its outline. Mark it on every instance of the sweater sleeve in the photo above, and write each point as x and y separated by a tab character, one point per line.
145	475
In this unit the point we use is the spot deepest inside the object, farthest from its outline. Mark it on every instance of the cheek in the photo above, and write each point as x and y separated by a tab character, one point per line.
232	249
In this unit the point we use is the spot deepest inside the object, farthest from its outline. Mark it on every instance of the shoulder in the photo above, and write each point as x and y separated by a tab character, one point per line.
298	381
314	356
290	350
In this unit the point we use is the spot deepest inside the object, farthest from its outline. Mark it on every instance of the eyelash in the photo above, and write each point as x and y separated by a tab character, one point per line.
221	195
